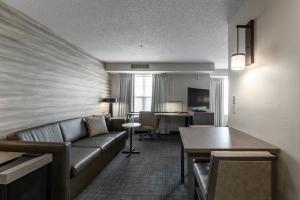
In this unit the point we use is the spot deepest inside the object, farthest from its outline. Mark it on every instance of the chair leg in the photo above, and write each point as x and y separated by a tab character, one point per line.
158	134
151	135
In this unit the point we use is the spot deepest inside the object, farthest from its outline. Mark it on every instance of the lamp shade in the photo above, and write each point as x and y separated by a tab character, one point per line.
238	61
175	106
109	100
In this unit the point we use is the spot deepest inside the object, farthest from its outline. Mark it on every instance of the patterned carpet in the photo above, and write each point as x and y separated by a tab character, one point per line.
152	175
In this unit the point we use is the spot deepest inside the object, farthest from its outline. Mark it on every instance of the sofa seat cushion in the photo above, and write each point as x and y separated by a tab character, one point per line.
117	134
101	141
201	172
81	158
47	133
73	129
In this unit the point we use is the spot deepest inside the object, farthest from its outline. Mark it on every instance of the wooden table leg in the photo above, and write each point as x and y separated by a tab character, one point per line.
188	120
182	162
191	181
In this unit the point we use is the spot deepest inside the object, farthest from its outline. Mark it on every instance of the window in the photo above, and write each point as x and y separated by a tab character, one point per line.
226	95
142	93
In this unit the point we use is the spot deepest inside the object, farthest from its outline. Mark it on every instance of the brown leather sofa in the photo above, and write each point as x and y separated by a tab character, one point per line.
77	158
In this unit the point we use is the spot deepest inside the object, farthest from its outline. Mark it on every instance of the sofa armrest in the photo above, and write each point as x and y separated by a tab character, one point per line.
60	167
116	124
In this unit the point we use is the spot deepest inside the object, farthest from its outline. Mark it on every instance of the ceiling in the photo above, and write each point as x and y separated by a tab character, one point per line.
140	30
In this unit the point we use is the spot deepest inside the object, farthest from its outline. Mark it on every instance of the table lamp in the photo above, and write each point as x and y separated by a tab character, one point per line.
110	100
175	106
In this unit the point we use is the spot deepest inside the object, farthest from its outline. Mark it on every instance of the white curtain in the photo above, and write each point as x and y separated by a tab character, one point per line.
217	100
160	92
126	94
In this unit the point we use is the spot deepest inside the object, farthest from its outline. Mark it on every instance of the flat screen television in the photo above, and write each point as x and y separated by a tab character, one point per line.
198	98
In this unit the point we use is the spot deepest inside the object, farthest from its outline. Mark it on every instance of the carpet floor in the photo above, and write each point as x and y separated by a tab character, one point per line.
152	175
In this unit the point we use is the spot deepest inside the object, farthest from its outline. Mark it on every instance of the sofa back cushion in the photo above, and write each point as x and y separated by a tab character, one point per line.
46	133
73	129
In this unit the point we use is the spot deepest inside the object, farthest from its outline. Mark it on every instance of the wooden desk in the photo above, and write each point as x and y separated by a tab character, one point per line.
172	114
187	116
199	142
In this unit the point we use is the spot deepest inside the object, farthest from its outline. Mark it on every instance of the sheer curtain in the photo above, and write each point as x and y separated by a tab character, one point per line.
217	100
160	92
126	94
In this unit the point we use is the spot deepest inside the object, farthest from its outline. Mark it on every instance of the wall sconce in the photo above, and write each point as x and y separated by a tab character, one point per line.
240	60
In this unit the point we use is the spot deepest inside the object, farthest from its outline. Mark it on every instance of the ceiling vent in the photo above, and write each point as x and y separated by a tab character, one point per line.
136	66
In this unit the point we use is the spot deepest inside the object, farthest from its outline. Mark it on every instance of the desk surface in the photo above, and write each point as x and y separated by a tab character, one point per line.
178	114
175	114
131	125
205	140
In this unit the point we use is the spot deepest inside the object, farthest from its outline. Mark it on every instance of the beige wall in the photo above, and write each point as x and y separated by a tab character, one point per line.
43	78
268	92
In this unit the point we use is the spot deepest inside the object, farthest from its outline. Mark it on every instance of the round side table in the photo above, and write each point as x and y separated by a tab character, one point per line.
130	127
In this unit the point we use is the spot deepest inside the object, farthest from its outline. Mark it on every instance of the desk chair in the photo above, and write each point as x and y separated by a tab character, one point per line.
149	125
235	176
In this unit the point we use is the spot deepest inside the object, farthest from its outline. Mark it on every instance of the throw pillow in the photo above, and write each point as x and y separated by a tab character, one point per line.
108	119
96	125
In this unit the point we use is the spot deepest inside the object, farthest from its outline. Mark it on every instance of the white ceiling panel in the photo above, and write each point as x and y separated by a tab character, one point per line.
139	30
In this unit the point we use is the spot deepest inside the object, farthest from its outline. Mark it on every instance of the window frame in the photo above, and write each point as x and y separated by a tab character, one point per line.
143	97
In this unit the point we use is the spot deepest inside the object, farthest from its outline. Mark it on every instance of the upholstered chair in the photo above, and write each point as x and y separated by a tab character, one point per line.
149	125
235	176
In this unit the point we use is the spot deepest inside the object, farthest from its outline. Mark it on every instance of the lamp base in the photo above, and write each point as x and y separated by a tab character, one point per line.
111	109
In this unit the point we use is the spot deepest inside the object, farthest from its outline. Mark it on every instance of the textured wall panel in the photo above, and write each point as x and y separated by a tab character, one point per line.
43	78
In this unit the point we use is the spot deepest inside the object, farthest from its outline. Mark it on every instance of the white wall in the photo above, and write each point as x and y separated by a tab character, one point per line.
267	92
179	84
161	67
